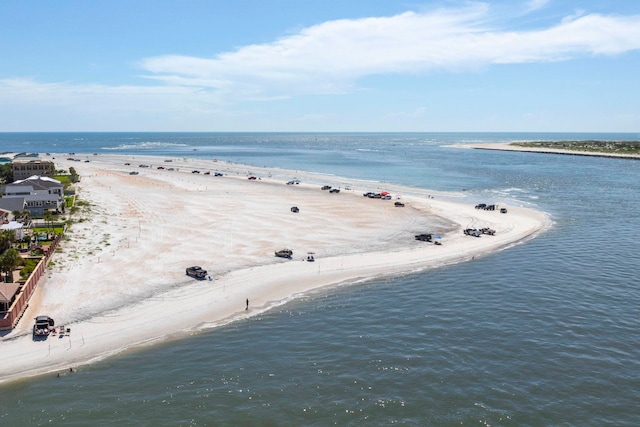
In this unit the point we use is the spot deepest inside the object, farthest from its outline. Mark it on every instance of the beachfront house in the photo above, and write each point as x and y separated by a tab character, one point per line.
36	194
25	167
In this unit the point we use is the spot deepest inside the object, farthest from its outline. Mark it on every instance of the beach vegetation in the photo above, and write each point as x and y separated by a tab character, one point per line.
82	203
73	174
593	146
80	206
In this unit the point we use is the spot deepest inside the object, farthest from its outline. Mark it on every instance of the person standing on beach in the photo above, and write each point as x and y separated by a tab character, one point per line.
247	308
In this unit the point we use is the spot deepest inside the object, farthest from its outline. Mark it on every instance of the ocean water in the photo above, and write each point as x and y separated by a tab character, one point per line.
544	333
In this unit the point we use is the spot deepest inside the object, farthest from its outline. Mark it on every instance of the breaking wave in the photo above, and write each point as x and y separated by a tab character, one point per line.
145	145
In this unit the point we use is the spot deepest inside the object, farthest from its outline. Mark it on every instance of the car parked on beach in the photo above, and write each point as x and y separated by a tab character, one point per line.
326	187
43	326
284	253
197	272
424	237
217	174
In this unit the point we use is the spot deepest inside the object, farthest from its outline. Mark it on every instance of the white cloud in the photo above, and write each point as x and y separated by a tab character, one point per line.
328	58
28	104
533	5
332	56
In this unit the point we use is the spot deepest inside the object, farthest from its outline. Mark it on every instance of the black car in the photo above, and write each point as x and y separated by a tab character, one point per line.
43	326
197	272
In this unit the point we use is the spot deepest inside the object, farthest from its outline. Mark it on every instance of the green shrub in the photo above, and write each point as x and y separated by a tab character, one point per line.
30	264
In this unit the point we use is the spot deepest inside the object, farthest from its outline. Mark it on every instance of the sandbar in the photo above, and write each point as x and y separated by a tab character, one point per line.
506	146
118	279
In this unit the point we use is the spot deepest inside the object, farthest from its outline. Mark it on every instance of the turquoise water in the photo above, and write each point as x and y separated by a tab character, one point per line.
544	333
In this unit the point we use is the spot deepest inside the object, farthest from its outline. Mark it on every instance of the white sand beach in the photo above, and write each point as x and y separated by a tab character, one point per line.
118	279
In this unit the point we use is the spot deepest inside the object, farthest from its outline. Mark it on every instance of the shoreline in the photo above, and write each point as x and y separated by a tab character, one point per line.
505	146
118	280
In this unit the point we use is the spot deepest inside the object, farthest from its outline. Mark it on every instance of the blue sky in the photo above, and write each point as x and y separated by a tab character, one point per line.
320	65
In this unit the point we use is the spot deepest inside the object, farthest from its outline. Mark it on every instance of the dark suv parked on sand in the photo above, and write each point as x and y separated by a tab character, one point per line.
196	272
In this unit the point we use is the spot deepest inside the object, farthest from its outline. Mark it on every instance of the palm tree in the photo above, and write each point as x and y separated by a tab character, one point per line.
9	260
26	239
21	216
48	220
7	237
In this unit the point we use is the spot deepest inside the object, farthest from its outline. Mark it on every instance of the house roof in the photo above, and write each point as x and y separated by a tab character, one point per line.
12	203
12	225
26	156
7	291
37	181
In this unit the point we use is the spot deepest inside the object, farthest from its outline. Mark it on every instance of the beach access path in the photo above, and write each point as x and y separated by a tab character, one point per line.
118	280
